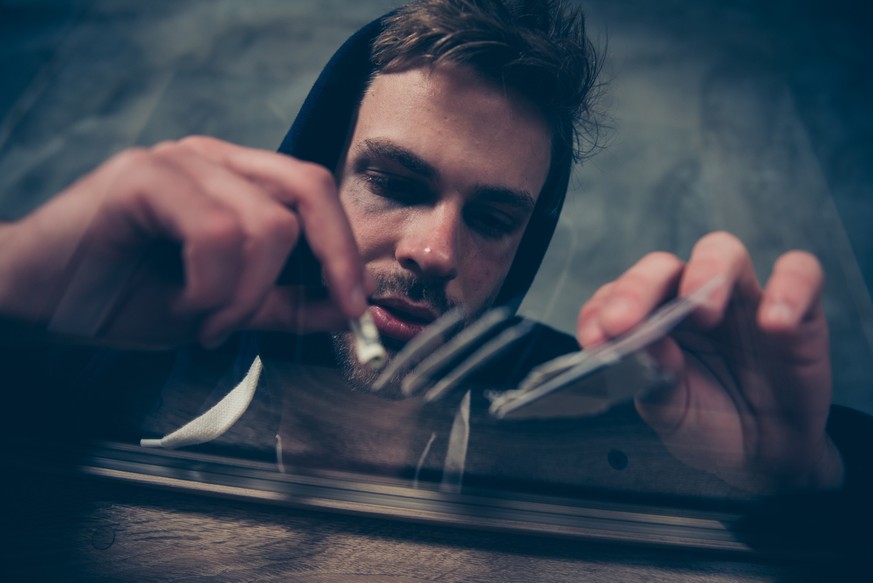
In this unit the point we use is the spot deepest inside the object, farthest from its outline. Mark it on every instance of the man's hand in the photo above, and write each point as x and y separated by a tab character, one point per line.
182	242
753	373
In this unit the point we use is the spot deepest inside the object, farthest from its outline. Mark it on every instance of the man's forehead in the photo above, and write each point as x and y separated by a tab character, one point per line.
450	84
450	115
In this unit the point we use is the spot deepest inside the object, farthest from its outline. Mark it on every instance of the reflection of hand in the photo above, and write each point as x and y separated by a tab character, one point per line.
753	373
231	214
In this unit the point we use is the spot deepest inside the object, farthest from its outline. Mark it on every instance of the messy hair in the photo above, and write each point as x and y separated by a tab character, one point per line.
535	49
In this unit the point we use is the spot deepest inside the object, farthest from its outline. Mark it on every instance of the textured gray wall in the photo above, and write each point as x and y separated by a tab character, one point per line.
752	117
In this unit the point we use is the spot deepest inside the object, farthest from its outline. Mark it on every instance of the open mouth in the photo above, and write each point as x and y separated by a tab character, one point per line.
399	319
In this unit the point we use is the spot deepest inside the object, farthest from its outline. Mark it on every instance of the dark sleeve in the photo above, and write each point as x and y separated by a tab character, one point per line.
55	391
852	433
831	524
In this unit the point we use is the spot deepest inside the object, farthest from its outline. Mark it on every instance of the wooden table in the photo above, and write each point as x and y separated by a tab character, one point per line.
85	529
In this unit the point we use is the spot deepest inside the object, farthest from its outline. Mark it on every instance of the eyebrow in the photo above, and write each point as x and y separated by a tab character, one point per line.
521	199
388	150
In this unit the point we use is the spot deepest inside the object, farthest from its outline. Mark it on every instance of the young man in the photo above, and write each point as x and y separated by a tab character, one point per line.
435	170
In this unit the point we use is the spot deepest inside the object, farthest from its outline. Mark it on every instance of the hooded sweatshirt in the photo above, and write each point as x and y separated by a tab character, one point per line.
613	452
320	424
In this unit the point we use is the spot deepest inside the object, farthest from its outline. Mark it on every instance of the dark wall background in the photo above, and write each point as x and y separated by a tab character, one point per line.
749	116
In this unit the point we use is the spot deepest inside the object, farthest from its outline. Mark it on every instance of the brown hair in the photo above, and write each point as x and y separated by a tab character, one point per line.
536	49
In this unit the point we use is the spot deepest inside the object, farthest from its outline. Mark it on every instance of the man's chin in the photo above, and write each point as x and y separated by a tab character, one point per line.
361	377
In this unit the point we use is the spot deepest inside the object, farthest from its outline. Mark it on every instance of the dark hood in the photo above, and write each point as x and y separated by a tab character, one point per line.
321	128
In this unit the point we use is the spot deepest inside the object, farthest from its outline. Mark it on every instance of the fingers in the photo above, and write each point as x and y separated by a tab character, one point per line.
792	296
311	191
237	213
657	277
155	197
589	331
623	303
722	255
269	231
793	293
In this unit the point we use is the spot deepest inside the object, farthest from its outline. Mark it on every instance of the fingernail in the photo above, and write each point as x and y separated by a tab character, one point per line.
589	335
617	308
780	313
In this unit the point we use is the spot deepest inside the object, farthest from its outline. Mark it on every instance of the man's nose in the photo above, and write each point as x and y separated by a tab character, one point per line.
429	245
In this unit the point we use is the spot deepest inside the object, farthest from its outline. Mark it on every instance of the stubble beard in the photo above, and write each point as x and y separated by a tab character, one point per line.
361	377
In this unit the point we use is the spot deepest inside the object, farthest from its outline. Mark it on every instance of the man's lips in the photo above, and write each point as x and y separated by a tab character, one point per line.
400	319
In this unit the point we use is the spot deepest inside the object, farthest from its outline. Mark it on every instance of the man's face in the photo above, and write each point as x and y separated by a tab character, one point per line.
439	182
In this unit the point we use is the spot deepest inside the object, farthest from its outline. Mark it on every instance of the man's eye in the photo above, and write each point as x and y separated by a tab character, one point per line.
397	188
492	223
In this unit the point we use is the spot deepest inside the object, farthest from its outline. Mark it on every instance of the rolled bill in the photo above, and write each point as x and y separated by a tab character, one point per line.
367	345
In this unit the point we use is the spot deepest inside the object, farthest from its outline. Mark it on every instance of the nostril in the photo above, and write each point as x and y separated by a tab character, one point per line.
410	264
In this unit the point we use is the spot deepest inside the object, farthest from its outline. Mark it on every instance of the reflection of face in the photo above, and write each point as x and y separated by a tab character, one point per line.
440	178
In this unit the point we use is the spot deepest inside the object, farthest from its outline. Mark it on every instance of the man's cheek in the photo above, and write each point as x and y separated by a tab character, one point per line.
482	285
494	276
376	234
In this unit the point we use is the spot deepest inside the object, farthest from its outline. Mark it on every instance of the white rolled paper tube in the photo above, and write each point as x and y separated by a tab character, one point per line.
367	345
